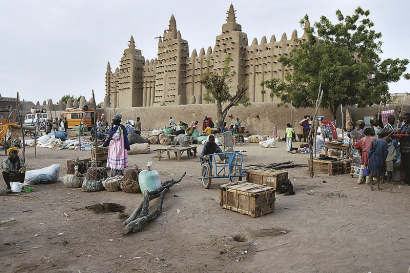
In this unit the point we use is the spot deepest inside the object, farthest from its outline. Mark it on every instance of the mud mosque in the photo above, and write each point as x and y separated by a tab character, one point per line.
174	77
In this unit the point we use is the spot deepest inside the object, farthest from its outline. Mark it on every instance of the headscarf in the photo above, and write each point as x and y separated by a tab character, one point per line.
117	117
13	149
359	122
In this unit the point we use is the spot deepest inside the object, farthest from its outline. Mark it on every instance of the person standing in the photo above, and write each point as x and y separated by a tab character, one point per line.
357	133
238	125
377	158
172	122
13	168
306	128
137	126
65	125
405	148
118	144
364	145
289	137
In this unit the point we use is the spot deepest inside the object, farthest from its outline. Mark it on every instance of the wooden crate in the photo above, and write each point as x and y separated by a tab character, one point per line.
102	153
271	178
329	167
247	198
345	166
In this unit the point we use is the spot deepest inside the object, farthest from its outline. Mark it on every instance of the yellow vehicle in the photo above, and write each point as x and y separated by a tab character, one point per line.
6	116
74	117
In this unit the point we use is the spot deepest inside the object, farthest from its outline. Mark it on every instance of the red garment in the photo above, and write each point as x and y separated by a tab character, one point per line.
364	144
332	127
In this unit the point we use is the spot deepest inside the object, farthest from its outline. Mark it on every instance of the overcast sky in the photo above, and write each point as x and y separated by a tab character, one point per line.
50	48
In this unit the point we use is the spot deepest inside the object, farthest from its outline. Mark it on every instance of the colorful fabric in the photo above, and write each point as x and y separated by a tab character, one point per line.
10	167
386	114
117	117
389	127
208	130
364	144
405	141
330	125
117	152
13	149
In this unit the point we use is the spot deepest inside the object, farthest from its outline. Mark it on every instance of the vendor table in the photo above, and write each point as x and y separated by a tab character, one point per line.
177	150
340	146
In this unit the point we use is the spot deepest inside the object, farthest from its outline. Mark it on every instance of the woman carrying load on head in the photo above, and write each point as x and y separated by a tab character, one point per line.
118	144
13	168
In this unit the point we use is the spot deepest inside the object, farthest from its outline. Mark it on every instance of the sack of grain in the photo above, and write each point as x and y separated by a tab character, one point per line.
139	148
92	185
255	139
73	181
153	140
165	141
162	136
112	183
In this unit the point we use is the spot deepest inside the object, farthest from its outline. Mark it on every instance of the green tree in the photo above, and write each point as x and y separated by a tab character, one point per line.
66	97
217	89
345	58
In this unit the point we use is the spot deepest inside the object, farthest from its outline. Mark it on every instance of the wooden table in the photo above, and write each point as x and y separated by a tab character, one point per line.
340	146
178	150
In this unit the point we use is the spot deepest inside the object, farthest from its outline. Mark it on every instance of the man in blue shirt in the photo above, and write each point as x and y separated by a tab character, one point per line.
210	147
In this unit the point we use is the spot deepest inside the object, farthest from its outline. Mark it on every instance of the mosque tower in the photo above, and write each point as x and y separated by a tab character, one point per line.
170	67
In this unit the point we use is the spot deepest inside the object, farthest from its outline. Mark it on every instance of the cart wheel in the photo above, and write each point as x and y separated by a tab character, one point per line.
206	175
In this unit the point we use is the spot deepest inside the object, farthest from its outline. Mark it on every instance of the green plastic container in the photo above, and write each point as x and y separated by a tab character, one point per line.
167	131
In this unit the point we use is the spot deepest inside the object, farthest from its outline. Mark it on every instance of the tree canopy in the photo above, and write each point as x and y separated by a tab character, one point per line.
345	58
66	97
218	90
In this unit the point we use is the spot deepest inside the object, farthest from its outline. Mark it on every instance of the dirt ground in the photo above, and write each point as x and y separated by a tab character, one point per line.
330	225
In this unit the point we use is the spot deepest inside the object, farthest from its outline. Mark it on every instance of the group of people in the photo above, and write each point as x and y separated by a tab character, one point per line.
378	154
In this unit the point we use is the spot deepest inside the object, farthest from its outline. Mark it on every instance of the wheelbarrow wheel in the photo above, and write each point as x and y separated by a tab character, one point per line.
206	176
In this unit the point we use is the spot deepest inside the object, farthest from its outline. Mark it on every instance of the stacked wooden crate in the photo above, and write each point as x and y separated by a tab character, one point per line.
247	198
102	153
331	167
271	178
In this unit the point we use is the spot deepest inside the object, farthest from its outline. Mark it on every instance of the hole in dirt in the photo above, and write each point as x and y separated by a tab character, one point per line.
106	207
271	232
240	238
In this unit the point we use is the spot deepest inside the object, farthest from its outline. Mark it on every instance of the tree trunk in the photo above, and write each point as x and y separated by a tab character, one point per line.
219	114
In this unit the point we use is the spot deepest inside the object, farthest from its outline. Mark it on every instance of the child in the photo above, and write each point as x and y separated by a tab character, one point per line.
289	136
377	157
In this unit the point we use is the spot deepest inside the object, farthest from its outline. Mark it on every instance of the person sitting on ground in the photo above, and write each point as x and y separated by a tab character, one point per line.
363	145
224	128
205	123
192	127
377	158
182	140
13	168
183	124
210	147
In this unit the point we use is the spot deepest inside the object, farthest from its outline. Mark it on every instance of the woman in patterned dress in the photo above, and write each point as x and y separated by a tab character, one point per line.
118	144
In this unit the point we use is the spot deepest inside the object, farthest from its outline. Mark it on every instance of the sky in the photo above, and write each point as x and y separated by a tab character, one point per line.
51	48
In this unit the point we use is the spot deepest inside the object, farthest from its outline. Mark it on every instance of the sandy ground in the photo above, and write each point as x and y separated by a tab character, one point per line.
330	225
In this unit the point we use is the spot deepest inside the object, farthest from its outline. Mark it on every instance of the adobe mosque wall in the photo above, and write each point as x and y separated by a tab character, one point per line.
174	77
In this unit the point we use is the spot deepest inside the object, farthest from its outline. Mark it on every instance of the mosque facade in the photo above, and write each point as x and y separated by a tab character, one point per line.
174	77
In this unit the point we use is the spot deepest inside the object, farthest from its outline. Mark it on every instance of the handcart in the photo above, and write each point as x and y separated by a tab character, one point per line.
221	165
